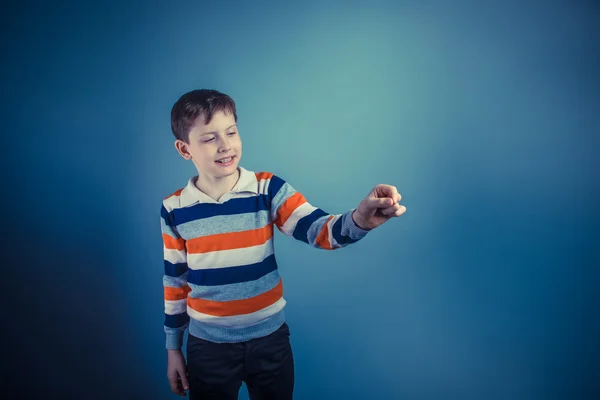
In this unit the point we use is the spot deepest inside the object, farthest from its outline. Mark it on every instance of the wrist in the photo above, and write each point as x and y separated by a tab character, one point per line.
359	221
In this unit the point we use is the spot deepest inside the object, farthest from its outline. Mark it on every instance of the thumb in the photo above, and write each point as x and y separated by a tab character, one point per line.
381	202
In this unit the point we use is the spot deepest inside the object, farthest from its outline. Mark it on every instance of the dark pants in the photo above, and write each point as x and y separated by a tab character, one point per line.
216	370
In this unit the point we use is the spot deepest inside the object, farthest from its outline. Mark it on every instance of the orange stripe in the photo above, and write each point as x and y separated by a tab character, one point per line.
237	307
287	208
173	293
230	240
177	193
263	175
172	243
323	237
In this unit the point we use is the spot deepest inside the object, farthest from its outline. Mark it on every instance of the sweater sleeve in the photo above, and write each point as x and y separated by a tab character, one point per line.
174	281
295	216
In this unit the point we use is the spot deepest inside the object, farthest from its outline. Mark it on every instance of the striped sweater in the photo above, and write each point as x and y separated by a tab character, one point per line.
220	274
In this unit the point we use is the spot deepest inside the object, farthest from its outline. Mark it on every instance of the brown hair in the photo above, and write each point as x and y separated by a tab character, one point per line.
195	103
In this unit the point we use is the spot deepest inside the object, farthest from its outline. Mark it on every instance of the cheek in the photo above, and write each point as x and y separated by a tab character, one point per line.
205	152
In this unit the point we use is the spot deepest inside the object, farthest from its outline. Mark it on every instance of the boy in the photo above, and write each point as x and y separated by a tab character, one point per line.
221	280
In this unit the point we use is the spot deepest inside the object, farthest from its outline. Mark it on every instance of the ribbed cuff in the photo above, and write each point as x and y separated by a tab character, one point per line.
354	231
174	341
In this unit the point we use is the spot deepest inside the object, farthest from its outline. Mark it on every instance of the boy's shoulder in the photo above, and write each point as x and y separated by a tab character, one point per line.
172	201
263	175
269	181
174	194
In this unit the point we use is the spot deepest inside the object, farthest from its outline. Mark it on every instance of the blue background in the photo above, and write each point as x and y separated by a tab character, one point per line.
484	117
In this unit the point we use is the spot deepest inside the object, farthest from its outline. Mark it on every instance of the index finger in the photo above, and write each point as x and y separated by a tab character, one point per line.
389	191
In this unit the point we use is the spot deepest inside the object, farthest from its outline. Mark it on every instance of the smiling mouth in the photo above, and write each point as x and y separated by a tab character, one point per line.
228	160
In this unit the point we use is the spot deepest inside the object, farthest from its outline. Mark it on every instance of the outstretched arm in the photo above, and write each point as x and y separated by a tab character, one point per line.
295	216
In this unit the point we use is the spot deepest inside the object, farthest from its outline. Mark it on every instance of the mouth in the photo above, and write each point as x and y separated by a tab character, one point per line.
226	161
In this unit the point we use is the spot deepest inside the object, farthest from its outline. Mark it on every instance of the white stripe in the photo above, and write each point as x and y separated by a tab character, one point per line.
174	256
173	307
231	258
263	186
334	243
238	321
300	212
171	203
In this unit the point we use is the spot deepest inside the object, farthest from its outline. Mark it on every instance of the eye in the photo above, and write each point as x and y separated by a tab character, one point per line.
209	140
232	133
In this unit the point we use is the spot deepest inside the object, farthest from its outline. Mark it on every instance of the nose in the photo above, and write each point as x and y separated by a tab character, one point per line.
224	145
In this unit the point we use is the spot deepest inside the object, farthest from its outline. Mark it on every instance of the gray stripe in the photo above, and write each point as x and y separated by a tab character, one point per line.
315	229
164	228
284	193
175	282
224	224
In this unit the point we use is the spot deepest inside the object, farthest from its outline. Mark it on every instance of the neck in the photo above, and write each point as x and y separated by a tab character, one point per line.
217	187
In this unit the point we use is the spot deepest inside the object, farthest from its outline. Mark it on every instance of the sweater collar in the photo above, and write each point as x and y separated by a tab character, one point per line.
247	182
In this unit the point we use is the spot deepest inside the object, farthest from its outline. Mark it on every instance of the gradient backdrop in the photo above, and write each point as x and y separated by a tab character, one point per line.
485	118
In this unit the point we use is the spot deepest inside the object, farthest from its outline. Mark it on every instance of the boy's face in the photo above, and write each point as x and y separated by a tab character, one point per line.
210	143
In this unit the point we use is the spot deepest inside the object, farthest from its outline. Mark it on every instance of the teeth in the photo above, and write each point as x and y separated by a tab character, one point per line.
225	160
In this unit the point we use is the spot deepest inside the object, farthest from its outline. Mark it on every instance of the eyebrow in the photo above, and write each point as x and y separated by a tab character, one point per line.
215	132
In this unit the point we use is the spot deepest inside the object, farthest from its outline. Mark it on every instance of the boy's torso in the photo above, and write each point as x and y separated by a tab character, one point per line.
236	291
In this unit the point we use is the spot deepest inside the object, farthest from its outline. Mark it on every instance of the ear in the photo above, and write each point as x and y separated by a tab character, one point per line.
182	149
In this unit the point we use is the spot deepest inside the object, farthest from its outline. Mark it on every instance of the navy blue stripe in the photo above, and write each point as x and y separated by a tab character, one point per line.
175	270
336	231
225	276
167	216
231	207
274	185
177	320
301	230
